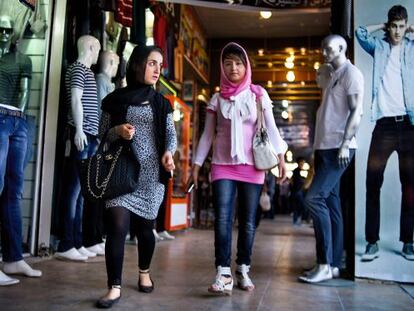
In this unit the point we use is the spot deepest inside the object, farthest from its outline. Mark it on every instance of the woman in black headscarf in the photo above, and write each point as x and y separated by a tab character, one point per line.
140	115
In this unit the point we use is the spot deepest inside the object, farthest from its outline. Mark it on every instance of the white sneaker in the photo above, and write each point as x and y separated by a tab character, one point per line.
166	236
22	268
85	252
157	237
5	280
322	273
96	249
71	254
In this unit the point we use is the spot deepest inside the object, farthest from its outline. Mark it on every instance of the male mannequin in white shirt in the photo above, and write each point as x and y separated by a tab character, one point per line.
83	123
15	75
337	122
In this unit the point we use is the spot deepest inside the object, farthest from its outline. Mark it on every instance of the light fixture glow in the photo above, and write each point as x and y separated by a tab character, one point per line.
316	65
260	52
285	115
285	103
270	64
265	14
289	65
290	76
217	89
269	83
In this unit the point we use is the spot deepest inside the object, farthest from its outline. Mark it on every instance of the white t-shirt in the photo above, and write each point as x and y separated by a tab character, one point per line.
390	93
333	113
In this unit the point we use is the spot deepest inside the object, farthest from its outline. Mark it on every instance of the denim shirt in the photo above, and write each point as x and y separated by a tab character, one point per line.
380	50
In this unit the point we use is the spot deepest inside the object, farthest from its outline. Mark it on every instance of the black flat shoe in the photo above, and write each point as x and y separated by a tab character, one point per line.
145	289
108	303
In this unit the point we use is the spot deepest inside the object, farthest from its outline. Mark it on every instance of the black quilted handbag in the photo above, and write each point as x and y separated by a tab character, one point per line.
111	173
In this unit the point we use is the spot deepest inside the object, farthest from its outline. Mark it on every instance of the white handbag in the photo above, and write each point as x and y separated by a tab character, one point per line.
265	157
264	202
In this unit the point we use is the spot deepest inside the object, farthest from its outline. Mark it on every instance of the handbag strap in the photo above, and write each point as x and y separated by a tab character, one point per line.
103	142
260	116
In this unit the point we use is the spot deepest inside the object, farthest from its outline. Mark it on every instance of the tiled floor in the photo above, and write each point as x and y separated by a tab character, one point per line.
182	270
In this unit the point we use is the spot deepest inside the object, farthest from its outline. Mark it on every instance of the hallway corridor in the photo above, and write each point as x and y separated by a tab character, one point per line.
182	270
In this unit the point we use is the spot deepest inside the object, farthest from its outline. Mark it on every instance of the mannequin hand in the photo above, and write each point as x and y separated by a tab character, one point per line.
80	140
343	156
167	161
282	169
126	131
196	170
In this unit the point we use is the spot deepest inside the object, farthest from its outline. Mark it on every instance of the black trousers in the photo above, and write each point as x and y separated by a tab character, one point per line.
390	134
117	221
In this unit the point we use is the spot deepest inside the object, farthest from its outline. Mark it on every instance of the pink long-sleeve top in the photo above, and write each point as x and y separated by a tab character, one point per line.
218	128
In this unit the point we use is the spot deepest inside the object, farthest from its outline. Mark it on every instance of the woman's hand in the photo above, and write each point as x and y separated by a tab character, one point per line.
195	171
167	161
126	131
282	169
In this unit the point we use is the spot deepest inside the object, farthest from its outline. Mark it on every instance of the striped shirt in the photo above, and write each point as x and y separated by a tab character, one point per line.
13	67
81	77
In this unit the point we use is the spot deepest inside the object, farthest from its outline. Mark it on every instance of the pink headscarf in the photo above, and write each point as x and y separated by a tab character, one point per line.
228	88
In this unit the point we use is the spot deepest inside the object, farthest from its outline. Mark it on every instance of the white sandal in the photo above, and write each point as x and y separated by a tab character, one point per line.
219	287
243	280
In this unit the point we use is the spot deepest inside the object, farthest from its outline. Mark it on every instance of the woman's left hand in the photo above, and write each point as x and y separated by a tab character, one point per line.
282	169
167	161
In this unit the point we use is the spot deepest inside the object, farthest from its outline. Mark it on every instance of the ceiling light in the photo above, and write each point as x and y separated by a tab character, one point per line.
285	114
316	65
285	103
289	65
217	89
269	83
303	51
290	76
265	14
260	52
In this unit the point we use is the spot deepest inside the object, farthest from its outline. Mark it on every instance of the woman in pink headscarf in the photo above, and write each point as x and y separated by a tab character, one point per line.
231	124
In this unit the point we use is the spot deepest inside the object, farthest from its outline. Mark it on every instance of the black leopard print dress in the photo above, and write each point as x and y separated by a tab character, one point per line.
146	200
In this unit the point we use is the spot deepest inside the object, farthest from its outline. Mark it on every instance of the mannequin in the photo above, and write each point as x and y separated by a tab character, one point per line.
109	62
82	129
93	212
15	75
337	121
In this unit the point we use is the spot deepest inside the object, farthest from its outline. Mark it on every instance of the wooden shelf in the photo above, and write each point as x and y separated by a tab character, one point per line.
199	74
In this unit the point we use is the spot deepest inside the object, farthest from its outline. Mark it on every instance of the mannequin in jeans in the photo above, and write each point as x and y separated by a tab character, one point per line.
83	123
15	72
337	121
92	224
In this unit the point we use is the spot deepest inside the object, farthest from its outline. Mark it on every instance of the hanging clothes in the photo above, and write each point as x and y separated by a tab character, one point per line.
29	3
138	22
123	14
160	32
107	5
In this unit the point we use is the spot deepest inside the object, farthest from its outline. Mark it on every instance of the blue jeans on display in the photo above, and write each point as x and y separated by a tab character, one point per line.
224	193
72	199
13	146
324	204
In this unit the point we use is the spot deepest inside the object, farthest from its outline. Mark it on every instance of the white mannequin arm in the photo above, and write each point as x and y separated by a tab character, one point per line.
24	93
77	113
352	124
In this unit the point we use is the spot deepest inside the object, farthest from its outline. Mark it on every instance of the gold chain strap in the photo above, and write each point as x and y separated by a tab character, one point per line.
106	180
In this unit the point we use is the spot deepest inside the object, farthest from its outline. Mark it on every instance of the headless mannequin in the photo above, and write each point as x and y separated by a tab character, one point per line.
15	71
83	122
326	209
109	62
